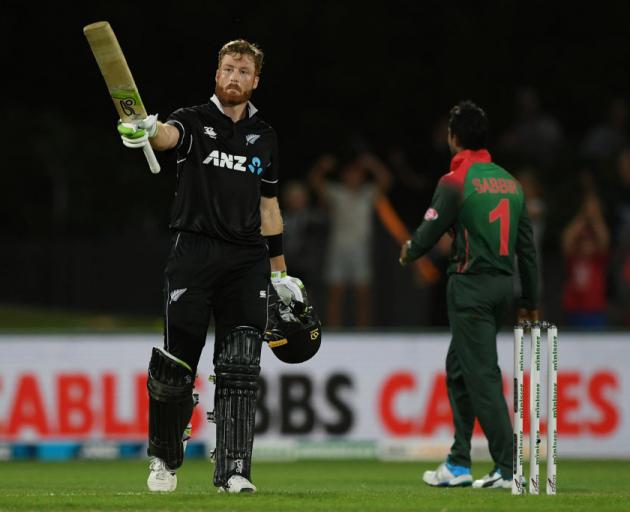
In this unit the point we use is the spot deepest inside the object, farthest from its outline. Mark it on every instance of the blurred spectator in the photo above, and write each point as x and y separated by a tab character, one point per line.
603	142
536	209
407	176
416	177
351	205
585	243
534	202
435	162
621	277
304	233
439	158
535	136
621	257
622	192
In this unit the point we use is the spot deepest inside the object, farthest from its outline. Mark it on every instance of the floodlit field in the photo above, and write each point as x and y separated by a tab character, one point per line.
302	486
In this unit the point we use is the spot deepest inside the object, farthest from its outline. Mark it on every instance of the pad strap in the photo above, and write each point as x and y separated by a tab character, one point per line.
237	367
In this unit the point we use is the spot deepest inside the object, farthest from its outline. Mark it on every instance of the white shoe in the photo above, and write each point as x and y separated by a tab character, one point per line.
443	477
493	480
236	484
161	479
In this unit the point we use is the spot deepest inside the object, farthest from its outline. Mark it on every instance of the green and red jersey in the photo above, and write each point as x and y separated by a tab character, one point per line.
484	207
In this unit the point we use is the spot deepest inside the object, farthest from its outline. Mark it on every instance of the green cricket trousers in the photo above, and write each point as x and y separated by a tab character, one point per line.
477	305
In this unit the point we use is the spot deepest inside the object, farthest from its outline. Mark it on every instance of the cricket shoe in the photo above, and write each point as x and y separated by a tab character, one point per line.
448	475
493	480
236	484
161	479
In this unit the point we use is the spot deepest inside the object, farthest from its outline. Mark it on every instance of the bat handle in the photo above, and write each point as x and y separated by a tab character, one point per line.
154	165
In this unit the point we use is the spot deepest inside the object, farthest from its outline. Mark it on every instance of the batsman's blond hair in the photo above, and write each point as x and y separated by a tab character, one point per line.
243	47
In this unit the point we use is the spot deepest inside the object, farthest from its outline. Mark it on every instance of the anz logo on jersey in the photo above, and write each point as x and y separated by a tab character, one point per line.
234	162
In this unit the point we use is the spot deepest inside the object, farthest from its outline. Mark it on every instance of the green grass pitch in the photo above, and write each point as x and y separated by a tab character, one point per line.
332	486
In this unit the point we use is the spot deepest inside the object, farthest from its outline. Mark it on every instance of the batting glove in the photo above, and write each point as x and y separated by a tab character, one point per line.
136	135
288	288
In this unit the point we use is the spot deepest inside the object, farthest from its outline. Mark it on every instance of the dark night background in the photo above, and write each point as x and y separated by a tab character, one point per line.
84	223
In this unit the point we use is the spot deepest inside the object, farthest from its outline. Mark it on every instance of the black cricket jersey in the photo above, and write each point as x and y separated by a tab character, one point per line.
223	168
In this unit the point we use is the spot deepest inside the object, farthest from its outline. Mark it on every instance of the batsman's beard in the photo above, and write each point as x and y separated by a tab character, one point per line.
229	98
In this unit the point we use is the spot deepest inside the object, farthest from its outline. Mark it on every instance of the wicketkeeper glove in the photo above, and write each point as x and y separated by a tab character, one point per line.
288	288
136	135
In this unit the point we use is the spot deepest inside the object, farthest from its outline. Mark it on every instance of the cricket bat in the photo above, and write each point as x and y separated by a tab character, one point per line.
120	83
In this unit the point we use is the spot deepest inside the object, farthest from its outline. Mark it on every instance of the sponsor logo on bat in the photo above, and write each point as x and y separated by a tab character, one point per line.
127	106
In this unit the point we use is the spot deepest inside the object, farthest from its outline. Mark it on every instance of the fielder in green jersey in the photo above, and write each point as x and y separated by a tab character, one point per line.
482	206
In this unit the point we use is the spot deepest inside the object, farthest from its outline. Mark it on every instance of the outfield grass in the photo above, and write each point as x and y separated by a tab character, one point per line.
39	319
334	486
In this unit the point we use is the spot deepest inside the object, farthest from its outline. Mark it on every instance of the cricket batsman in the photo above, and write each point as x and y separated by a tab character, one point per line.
483	207
226	252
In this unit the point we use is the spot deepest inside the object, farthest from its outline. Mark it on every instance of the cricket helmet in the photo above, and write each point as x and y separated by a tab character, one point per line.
294	332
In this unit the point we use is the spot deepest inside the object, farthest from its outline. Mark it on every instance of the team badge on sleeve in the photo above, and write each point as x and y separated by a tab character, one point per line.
431	214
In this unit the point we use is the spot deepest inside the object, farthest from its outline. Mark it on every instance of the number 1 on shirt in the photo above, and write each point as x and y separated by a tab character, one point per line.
502	213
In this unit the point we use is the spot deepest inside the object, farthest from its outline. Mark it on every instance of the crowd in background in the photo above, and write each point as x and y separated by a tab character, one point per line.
354	205
347	209
85	225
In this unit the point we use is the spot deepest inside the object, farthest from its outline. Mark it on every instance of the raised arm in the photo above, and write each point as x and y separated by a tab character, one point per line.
165	138
595	218
571	233
379	170
317	175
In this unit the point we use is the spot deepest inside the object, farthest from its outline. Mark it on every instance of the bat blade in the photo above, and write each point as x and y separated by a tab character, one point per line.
115	70
120	83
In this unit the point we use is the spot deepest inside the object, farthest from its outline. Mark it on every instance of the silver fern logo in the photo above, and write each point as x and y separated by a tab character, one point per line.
176	294
251	138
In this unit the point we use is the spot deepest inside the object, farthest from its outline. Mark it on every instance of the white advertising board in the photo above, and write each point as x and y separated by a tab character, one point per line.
384	393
